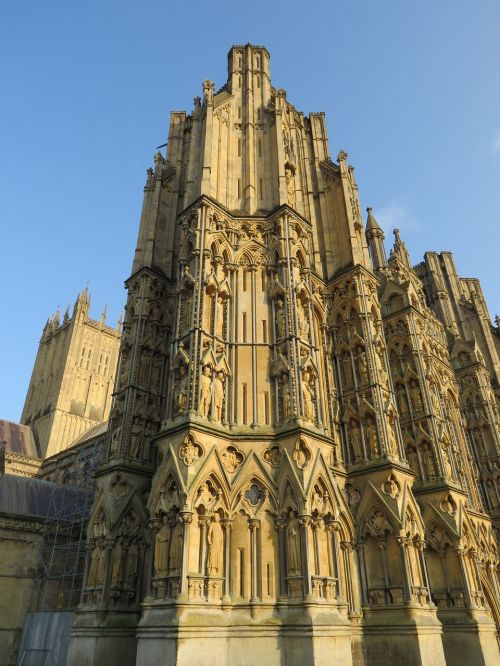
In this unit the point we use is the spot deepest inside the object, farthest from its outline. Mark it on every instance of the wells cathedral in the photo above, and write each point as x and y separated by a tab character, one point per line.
288	451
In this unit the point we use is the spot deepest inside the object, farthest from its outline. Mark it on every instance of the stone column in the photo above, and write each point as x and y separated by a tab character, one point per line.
305	521
465	578
226	526
254	525
362	569
203	522
281	526
404	564
186	518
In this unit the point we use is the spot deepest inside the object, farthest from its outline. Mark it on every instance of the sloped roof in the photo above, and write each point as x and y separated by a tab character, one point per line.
18	439
35	498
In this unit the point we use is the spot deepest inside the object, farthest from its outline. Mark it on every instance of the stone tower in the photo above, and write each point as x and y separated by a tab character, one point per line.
72	381
284	397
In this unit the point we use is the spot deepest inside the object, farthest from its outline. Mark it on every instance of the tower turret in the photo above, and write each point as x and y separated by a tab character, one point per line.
375	237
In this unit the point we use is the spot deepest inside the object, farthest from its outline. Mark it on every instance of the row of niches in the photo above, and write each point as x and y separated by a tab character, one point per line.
220	320
245	544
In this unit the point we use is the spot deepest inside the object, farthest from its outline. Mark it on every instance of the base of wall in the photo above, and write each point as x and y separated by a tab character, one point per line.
409	637
257	636
103	639
469	637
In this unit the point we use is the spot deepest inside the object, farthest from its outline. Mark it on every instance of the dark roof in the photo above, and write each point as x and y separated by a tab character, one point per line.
35	498
18	439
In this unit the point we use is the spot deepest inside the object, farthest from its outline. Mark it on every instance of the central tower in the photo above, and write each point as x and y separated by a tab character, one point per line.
253	378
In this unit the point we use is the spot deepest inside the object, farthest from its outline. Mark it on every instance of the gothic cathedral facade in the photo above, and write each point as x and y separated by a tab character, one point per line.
302	454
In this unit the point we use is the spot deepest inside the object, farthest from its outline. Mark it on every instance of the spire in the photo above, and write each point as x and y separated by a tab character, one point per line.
66	315
103	315
371	222
375	238
399	250
82	303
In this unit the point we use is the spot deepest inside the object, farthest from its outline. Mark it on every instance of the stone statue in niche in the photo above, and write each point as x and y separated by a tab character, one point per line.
302	320
185	320
293	545
219	329
362	366
101	567
94	562
412	456
180	397
205	390
219	386
131	563
345	363
307	395
448	471
356	441
285	389
280	318
290	186
402	401
215	543
428	461
162	545
372	438
416	396
116	567
135	436
176	547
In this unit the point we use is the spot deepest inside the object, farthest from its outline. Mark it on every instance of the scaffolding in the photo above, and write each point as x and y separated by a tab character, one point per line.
62	565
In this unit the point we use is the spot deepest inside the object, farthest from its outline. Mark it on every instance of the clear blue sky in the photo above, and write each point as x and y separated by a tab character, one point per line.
411	91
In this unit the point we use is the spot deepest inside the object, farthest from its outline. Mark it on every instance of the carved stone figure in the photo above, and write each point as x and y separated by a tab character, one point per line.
176	547
135	437
162	544
346	367
402	401
285	388
356	442
205	390
416	396
94	562
302	320
307	396
372	438
181	393
290	186
101	566
117	565
362	366
187	303
215	543
220	318
218	395
448	470
428	461
293	545
131	563
280	318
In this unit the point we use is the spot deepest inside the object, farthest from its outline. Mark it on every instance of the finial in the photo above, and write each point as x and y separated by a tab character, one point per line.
397	236
103	315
